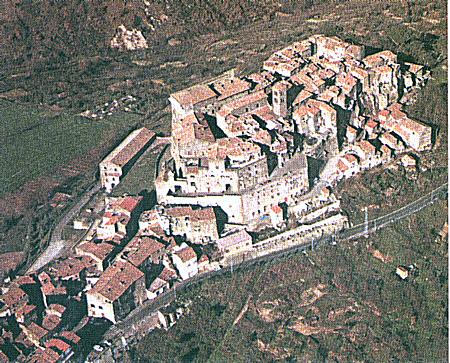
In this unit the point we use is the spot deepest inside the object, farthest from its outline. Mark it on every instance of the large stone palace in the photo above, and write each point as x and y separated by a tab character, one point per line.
242	143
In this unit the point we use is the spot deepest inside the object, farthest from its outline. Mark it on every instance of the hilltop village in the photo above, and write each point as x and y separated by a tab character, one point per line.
237	179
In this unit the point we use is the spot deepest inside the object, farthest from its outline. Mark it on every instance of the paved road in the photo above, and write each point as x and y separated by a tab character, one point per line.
57	245
151	306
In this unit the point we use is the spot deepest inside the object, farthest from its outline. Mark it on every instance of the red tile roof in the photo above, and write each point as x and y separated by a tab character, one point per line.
60	309
201	214
117	279
98	250
13	296
230	86
36	331
129	203
51	321
70	267
59	344
168	274
139	249
130	147
25	310
24	280
193	95
186	254
249	99
44	356
70	336
342	166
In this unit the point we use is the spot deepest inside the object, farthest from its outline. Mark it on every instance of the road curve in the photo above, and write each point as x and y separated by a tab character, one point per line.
151	306
57	245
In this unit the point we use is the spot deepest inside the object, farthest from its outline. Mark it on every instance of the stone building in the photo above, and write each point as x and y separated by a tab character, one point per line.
233	137
195	225
118	291
185	260
120	160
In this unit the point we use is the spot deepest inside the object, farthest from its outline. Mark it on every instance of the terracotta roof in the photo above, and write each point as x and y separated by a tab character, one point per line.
70	267
70	336
234	239
60	309
193	95
414	68
351	158
24	280
50	321
233	147
367	147
277	209
302	96
168	274
139	249
372	124
36	331
186	254
203	259
44	356
127	203
129	147
342	166
157	284
251	98
59	344
230	86
201	214
13	296
98	250
117	279
25	310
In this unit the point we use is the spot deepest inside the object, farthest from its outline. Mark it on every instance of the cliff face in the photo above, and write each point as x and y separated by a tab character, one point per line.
55	30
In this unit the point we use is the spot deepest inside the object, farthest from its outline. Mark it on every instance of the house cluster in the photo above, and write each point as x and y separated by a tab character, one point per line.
239	162
241	144
129	256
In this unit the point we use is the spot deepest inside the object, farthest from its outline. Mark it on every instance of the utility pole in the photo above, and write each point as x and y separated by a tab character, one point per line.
366	222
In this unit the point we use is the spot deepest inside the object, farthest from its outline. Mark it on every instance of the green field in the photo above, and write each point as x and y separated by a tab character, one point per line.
35	143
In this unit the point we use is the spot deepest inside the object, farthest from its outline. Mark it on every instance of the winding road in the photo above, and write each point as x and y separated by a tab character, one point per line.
141	313
57	245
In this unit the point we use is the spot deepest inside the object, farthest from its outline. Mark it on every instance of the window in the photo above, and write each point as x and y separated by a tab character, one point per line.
100	307
92	306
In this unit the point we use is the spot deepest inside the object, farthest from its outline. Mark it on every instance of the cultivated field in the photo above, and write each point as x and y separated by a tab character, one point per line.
36	143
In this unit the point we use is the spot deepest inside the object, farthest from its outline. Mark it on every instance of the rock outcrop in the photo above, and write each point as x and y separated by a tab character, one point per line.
128	39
